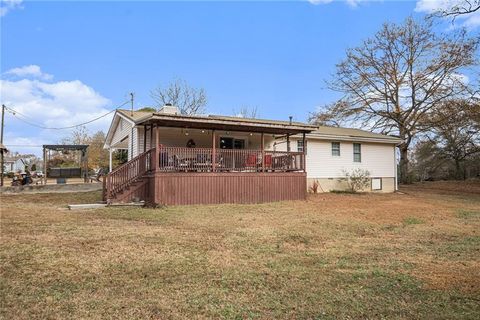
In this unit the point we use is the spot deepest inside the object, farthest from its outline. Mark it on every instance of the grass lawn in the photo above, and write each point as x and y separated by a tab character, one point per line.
405	256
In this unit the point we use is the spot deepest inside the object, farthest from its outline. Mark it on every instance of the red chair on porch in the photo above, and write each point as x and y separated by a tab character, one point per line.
251	160
268	161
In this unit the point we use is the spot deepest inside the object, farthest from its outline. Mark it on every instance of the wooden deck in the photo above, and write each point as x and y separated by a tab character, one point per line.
226	187
183	176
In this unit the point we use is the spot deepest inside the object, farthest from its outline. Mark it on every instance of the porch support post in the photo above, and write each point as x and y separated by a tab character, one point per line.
213	151
288	142
157	148
304	143
85	179
144	138
110	163
263	151
151	136
45	165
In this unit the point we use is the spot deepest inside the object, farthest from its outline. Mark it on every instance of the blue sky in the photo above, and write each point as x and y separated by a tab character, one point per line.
67	62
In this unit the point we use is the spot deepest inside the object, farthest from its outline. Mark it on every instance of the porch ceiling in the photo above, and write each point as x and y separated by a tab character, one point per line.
227	124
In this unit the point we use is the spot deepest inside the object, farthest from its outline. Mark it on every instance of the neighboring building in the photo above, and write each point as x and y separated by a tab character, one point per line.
243	147
13	163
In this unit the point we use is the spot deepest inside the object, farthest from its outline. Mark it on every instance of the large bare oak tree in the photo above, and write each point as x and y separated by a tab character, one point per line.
393	81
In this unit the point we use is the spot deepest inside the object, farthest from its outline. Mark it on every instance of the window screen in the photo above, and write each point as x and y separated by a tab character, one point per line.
300	146
357	152
335	148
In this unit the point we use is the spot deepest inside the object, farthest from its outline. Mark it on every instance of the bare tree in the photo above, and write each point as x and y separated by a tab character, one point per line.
189	100
79	135
456	132
326	117
97	155
246	112
457	8
394	80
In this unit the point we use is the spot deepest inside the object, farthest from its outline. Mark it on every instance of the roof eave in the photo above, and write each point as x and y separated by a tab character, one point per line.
386	139
181	121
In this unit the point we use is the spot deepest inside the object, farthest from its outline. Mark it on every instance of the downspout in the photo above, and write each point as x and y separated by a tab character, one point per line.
131	143
395	167
110	162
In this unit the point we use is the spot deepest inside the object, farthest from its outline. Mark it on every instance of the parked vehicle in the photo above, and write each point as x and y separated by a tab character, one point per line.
37	174
21	179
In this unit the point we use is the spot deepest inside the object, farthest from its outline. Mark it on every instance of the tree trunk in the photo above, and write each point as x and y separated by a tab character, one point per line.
404	164
458	170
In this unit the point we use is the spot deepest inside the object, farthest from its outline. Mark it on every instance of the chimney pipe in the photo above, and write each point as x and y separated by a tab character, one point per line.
290	117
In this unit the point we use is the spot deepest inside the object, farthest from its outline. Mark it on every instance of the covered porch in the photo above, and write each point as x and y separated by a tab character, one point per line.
202	160
202	150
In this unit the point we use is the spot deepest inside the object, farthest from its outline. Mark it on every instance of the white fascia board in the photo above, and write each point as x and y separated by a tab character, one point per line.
395	141
115	120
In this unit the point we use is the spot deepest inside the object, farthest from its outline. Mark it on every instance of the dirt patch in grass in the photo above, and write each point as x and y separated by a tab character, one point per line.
404	256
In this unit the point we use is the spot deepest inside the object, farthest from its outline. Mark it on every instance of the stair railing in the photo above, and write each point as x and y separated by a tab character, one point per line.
127	173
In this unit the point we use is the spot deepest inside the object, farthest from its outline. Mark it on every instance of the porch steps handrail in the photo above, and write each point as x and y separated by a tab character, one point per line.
129	172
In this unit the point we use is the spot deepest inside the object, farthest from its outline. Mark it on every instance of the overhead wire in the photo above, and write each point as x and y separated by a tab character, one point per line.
17	115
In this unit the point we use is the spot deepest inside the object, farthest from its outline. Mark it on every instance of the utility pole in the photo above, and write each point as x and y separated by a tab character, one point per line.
1	144
131	100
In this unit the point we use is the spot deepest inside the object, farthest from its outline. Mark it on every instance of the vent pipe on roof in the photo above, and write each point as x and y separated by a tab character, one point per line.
290	117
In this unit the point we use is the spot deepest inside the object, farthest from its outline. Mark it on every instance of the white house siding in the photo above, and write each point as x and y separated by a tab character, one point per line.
322	166
140	132
377	158
121	131
133	143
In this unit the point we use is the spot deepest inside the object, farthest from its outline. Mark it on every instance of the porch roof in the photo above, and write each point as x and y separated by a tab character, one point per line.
215	122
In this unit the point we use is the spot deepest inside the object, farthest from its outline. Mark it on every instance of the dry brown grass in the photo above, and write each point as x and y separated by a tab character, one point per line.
412	255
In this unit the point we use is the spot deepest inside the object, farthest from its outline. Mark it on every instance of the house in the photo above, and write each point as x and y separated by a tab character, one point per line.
14	163
178	159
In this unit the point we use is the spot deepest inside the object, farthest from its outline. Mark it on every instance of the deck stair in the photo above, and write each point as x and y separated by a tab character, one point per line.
130	180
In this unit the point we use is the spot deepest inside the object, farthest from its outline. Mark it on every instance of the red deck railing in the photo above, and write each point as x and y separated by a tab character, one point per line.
178	159
129	172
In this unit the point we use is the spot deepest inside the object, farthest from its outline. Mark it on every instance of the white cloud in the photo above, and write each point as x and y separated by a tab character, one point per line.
8	5
57	104
50	104
471	20
32	70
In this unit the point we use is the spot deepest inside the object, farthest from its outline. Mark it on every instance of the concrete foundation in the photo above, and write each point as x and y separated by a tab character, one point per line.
329	184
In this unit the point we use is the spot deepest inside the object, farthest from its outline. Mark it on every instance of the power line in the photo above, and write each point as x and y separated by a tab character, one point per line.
24	145
15	113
